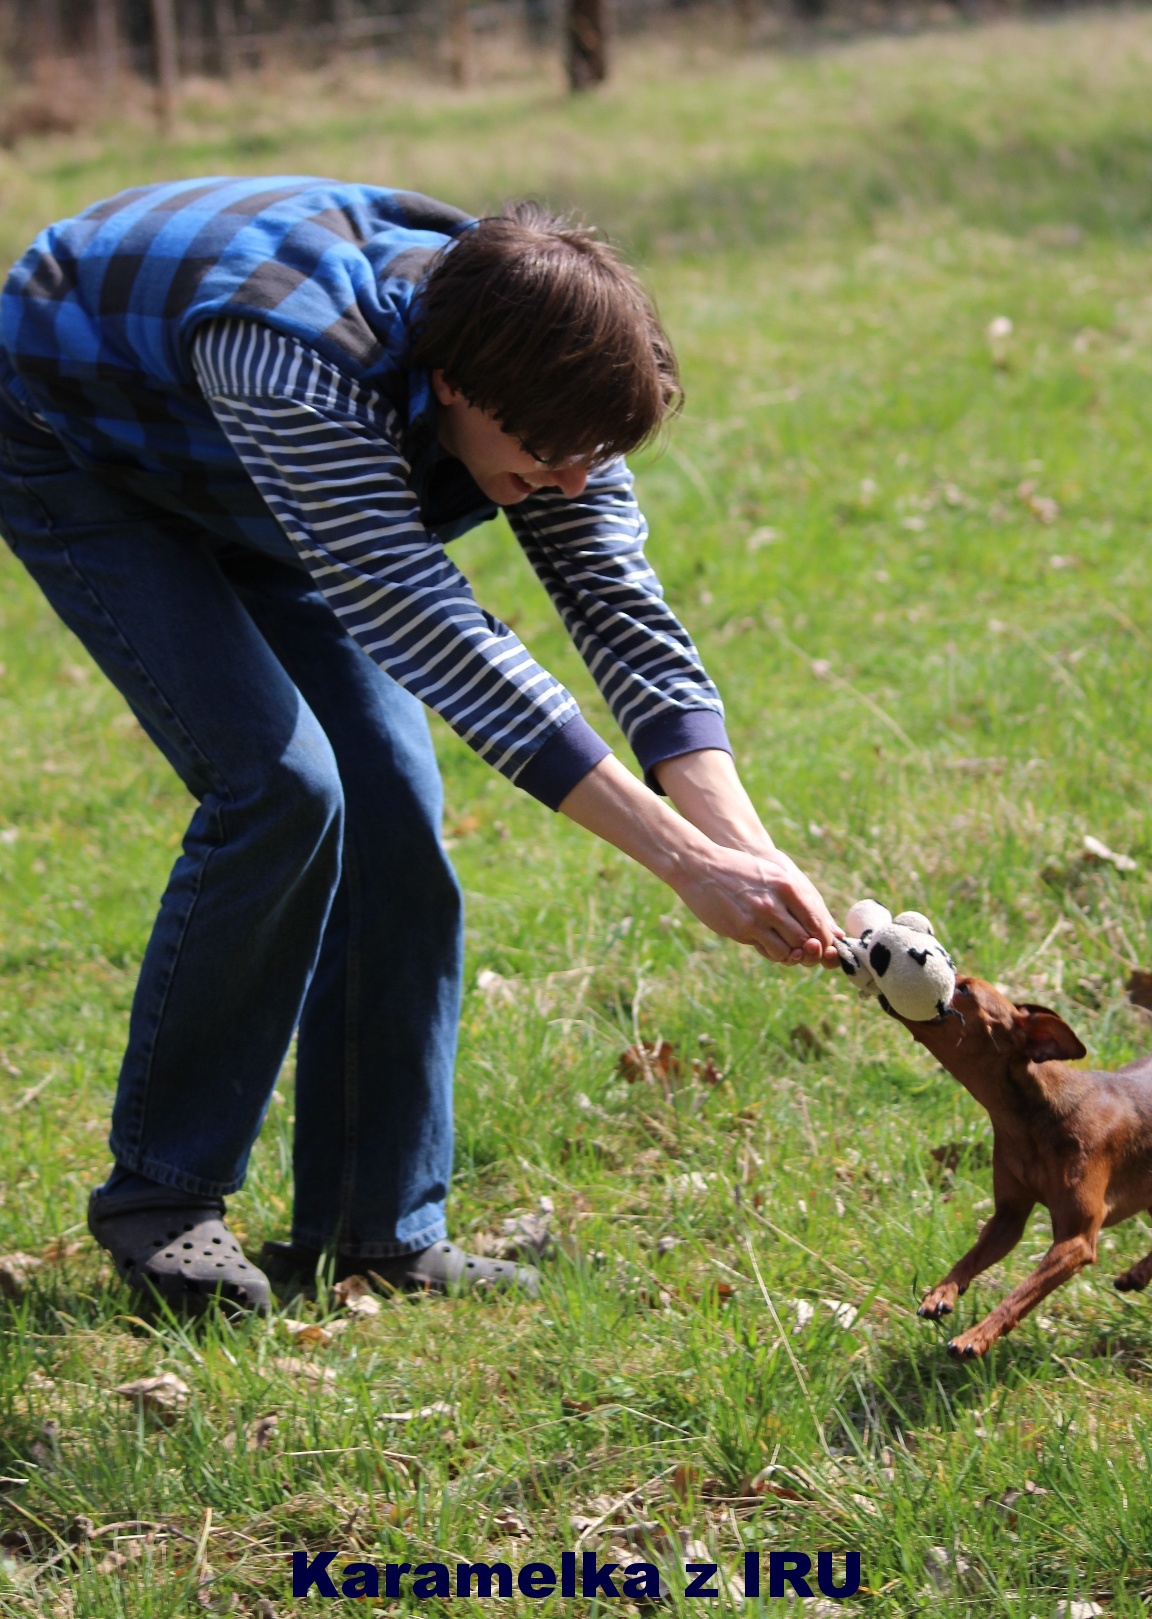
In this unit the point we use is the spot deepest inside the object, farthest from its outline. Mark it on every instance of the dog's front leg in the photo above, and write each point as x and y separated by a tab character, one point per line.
1062	1260
997	1238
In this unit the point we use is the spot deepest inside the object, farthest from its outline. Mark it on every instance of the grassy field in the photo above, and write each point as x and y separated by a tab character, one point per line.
916	559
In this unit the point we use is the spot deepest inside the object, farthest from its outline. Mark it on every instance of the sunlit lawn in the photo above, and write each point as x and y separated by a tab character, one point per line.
916	559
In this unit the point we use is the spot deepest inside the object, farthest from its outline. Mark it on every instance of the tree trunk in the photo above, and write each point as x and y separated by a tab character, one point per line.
166	45
49	29
461	37
341	18
107	47
224	17
587	43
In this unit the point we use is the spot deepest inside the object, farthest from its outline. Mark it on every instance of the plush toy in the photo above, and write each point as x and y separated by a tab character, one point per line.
899	960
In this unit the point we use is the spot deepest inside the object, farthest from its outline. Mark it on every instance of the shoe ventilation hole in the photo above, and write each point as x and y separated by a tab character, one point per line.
186	1245
216	1240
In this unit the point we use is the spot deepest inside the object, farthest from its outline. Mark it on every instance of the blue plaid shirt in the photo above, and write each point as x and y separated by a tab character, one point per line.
237	351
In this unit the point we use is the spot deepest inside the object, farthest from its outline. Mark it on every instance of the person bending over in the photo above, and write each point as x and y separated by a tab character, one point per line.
242	420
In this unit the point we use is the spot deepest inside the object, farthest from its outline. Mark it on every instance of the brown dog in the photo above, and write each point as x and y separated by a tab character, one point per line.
1077	1141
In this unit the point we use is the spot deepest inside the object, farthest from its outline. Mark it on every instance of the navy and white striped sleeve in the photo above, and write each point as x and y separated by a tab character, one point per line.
589	554
322	451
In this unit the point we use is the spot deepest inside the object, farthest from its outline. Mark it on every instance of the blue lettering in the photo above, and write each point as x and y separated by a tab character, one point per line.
851	1575
307	1574
788	1568
596	1581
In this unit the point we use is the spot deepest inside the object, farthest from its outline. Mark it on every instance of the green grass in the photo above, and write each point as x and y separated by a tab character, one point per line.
934	694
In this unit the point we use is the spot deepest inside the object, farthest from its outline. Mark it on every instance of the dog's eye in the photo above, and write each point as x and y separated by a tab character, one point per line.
963	988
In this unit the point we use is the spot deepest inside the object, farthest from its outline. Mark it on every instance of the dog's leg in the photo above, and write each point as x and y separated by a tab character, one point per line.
997	1238
1137	1277
1065	1257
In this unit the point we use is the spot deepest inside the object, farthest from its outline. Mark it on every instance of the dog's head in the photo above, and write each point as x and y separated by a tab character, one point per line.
983	1027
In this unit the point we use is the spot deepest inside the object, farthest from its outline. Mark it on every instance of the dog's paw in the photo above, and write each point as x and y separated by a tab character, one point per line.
940	1301
1132	1281
971	1345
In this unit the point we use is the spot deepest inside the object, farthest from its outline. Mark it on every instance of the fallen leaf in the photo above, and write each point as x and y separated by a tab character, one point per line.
510	1523
684	1481
650	1061
1078	1610
527	1236
707	1072
496	988
807	1041
438	1408
320	1379
111	1563
804	1313
465	827
164	1396
569	1403
257	1435
16	1272
1139	988
765	1484
60	1249
355	1295
843	1314
1095	850
311	1332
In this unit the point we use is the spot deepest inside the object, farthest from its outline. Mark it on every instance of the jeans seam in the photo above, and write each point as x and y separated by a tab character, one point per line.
151	1039
351	1084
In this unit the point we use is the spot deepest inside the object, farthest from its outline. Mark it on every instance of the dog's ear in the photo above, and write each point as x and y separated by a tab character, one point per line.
1043	1035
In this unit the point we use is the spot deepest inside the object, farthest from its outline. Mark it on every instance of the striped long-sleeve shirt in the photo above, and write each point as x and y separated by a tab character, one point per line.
323	451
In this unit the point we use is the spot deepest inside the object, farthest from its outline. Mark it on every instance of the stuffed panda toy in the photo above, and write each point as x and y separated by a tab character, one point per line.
899	960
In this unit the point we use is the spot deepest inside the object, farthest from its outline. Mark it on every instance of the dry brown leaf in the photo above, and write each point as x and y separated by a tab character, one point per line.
707	1071
510	1523
164	1396
311	1332
257	1435
355	1295
1139	988
649	1060
807	1041
684	1481
60	1249
16	1271
320	1379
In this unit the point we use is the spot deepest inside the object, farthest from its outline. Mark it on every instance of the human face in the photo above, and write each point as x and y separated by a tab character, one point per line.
498	462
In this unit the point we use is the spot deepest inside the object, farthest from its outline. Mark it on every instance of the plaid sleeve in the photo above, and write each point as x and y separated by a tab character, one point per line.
322	451
589	554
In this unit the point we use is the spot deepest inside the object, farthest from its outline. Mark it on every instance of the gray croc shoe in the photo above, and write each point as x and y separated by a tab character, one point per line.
445	1268
442	1268
177	1247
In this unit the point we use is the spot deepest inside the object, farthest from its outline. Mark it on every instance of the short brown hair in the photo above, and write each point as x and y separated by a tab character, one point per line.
536	321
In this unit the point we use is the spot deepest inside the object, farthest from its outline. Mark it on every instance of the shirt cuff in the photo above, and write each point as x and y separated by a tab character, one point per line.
677	731
565	759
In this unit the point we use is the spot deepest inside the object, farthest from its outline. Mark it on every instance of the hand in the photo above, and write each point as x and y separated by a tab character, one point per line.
730	875
764	900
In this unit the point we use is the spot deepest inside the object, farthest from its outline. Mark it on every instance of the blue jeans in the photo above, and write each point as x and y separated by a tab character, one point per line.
312	893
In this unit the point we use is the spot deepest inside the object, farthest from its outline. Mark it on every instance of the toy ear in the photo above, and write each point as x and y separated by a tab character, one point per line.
1044	1036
